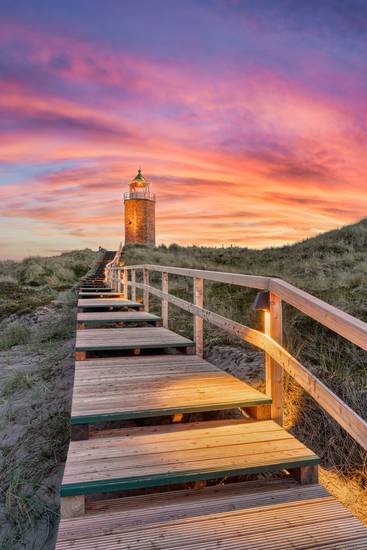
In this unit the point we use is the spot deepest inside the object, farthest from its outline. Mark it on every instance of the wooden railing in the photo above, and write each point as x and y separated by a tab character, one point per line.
277	358
113	271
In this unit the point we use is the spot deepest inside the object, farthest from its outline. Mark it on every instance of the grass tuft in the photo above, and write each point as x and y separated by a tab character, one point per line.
17	381
14	334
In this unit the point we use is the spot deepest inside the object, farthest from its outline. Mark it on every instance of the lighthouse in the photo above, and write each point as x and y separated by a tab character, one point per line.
139	205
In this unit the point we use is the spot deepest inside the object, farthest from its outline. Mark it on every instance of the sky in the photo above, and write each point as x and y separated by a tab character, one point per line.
248	118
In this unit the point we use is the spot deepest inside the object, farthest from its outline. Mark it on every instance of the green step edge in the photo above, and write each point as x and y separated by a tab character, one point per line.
93	418
108	321
103	306
135	346
141	482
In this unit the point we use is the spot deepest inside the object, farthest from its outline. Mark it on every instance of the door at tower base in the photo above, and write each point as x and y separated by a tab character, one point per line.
139	221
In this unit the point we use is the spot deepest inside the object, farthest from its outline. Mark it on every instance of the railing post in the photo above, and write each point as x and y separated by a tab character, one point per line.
116	273
164	301
125	285
118	280
198	321
133	287
146	292
273	371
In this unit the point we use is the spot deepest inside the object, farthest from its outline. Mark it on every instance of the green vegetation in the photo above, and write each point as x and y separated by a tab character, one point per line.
13	334
333	267
18	380
35	281
35	391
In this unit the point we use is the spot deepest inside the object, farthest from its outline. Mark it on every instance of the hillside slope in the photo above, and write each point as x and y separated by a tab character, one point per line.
332	266
36	280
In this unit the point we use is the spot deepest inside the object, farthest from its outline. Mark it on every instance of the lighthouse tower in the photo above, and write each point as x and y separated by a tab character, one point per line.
139	205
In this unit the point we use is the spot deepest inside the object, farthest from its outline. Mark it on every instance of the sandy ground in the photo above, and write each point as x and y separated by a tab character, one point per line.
35	385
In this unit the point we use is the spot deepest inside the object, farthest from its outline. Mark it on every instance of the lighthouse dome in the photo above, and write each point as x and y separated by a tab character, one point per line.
139	182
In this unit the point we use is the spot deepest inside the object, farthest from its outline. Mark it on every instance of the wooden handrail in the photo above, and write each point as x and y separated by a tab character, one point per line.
335	319
249	281
328	400
342	323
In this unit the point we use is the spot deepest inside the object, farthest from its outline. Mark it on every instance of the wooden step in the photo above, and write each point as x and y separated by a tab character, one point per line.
243	516
178	453
112	317
140	387
95	289
112	339
100	294
107	303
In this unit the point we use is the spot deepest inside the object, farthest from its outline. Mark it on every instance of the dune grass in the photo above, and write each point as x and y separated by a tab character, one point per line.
35	281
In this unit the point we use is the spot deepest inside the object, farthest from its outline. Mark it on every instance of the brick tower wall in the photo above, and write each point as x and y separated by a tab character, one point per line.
140	222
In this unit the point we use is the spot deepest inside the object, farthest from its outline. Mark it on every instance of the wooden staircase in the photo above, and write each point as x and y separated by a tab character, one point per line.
256	515
147	374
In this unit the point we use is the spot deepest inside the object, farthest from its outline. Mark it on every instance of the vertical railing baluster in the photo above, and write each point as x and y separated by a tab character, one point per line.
118	280
146	291
133	287
198	321
125	284
273	371
164	300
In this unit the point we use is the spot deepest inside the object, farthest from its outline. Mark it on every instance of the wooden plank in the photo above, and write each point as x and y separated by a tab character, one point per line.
128	338
342	323
104	303
106	317
95	289
250	281
262	515
108	516
163	457
143	509
100	294
304	525
161	389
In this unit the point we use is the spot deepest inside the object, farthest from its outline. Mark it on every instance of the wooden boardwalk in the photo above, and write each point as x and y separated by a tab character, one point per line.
276	515
133	383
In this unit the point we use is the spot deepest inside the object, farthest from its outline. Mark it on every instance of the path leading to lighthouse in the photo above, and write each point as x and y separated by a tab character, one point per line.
150	374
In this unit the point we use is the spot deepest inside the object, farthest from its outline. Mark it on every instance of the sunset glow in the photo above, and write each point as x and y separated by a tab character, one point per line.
249	119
